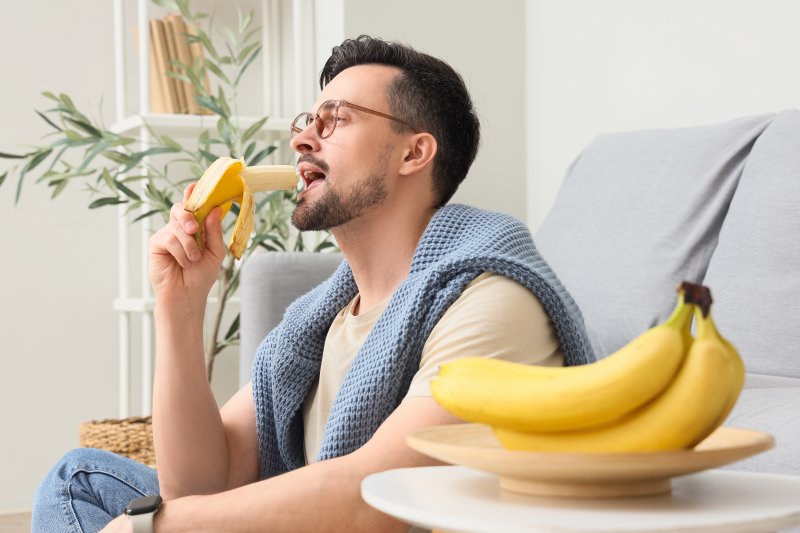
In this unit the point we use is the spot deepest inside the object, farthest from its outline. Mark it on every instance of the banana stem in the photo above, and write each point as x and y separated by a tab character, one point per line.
700	295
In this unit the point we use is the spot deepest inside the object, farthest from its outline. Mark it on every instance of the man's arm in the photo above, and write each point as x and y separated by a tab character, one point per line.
193	439
324	496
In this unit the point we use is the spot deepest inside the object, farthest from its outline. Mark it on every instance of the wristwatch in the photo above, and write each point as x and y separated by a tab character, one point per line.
141	511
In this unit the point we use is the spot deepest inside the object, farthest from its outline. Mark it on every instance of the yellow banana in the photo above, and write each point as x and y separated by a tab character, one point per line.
707	329
528	398
226	181
682	416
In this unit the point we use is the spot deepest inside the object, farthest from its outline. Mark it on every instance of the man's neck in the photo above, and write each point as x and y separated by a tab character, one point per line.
379	247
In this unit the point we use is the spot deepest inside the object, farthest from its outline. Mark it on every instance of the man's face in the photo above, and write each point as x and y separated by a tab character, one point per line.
345	174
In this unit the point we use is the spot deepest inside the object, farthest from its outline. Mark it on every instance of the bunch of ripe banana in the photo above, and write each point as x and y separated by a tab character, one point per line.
227	181
665	390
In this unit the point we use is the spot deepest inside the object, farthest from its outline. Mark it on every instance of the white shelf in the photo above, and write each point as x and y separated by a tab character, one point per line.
135	120
191	124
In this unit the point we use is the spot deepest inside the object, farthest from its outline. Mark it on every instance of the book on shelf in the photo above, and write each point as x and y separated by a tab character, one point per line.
169	42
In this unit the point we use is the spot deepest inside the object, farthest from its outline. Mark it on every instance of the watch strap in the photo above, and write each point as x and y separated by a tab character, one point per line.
142	523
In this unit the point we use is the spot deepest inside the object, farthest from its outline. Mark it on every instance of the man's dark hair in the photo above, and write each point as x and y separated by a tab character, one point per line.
427	93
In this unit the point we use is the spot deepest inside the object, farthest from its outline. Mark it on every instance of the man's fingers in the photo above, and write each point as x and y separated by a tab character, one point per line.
215	242
178	243
186	220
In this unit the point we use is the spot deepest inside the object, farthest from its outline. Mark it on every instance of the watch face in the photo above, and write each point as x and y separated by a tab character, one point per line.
148	504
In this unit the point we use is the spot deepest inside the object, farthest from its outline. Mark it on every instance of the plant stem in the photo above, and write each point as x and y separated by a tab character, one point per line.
224	286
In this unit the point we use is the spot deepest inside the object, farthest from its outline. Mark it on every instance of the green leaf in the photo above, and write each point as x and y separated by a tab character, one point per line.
93	152
44	117
5	155
123	141
117	157
37	159
233	330
245	22
261	155
145	215
206	40
128	192
3	177
252	130
105	176
84	126
247	64
67	101
51	96
245	51
172	143
250	34
249	150
58	189
167	4
214	69
222	101
208	156
206	102
270	242
56	159
325	245
224	130
55	177
109	200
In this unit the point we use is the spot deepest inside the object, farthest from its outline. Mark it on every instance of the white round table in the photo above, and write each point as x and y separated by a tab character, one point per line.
456	498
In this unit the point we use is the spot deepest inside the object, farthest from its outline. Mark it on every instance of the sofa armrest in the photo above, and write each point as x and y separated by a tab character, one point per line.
269	283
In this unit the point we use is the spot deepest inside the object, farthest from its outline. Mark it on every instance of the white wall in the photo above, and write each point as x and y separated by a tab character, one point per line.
628	64
57	279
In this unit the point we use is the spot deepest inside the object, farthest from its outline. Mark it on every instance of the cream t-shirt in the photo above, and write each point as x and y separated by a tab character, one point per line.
494	317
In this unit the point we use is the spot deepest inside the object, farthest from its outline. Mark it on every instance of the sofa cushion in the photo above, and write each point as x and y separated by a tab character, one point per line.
774	410
269	283
637	213
754	274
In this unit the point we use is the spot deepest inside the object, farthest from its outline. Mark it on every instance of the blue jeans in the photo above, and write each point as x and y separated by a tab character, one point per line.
87	489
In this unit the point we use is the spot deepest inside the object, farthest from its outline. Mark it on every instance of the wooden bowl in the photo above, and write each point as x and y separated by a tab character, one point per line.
583	475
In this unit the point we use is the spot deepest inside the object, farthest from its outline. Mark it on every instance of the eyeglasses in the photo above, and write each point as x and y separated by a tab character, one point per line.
327	116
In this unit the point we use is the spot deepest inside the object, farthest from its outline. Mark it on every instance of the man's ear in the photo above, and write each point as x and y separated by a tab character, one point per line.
419	153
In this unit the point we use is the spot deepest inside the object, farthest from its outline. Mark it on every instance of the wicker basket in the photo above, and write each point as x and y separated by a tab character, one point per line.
131	437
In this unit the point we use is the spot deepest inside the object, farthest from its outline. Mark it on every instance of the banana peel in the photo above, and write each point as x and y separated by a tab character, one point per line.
227	181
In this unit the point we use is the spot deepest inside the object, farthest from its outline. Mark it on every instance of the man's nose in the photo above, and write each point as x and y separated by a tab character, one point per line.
305	141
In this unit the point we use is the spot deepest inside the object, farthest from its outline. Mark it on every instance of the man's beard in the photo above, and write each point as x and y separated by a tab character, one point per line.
335	208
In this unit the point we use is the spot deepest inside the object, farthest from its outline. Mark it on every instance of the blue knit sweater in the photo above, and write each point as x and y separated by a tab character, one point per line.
459	244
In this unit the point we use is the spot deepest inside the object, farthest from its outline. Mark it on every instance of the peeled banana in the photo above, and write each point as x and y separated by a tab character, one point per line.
551	399
228	180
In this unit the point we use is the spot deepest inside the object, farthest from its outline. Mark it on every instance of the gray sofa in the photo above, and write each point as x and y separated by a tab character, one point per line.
640	211
637	213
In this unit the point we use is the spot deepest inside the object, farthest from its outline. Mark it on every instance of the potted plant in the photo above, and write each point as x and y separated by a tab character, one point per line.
149	180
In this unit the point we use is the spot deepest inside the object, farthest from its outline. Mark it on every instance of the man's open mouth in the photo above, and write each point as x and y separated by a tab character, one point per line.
311	175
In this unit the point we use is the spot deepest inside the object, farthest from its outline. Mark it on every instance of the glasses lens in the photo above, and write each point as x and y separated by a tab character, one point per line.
301	123
326	119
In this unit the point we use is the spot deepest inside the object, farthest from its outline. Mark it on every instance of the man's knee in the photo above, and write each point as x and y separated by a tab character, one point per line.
94	478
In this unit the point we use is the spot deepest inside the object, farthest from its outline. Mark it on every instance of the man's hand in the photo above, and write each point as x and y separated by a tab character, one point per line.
177	267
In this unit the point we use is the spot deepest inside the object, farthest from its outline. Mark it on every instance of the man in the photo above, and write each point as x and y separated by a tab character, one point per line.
338	384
